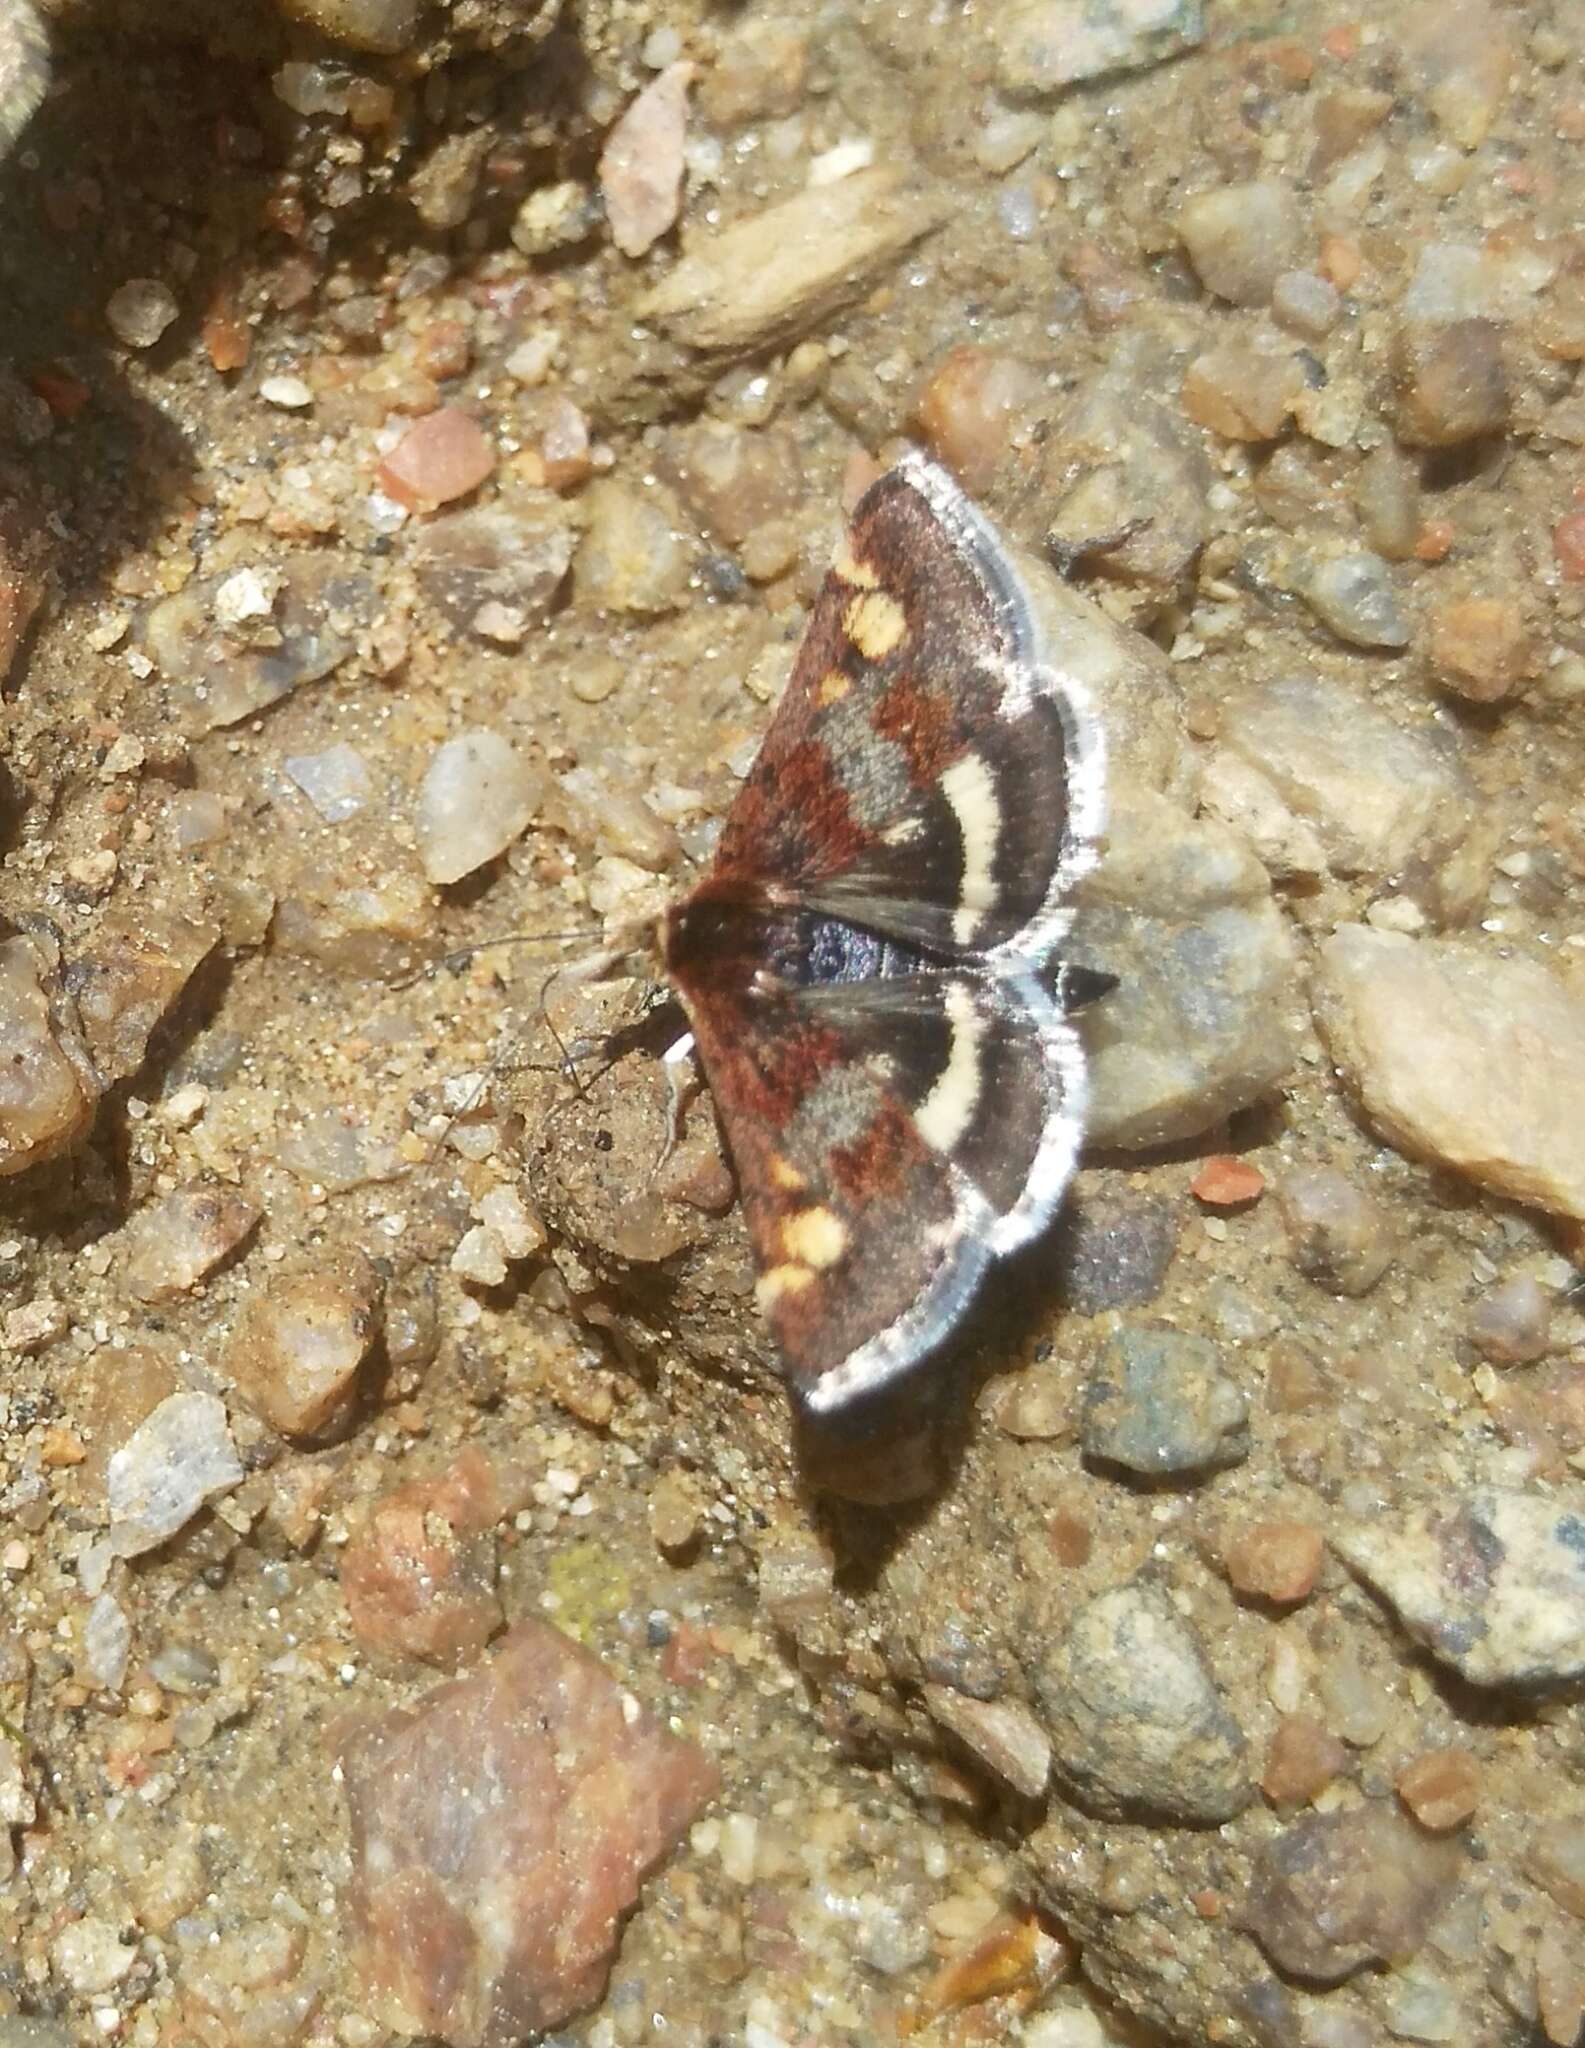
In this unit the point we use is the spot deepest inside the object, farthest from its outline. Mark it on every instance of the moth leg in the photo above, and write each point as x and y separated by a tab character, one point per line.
682	1085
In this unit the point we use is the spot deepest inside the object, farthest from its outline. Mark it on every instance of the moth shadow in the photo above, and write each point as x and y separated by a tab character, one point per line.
879	1469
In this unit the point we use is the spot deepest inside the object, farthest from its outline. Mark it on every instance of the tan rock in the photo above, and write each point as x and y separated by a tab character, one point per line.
300	1343
47	1095
780	272
1463	1057
174	1244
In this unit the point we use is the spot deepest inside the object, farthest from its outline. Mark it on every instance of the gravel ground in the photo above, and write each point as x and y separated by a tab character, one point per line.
422	432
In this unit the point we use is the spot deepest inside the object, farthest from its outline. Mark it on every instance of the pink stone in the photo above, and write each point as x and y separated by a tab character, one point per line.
419	1577
641	165
444	455
500	1830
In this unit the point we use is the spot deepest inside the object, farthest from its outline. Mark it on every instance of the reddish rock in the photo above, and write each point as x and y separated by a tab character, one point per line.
1442	1788
641	165
443	456
1481	648
1278	1561
1224	1182
419	1577
1568	544
1303	1760
500	1831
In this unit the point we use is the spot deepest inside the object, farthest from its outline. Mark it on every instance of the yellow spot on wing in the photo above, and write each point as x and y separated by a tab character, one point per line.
850	568
777	1281
832	688
785	1174
814	1237
876	624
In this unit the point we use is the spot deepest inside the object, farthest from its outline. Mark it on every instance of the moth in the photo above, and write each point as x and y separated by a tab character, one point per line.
867	967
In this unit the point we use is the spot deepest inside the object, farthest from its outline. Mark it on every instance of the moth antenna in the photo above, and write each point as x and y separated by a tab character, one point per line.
458	958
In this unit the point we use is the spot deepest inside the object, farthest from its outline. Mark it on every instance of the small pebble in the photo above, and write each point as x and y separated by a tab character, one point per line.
641	165
676	1521
1304	1758
140	311
1556	1861
1336	1892
1452	384
634	556
385	27
1481	648
969	406
555	217
290	394
1386	490
479	1257
441	457
478	795
336	782
516	1228
1354	595
1462	1053
301	1341
1441	1788
1159	1402
1226	1182
1241	238
1512	1323
173	1462
89	1956
1276	1561
1306	304
174	1244
1136	1720
1568	545
1338	1235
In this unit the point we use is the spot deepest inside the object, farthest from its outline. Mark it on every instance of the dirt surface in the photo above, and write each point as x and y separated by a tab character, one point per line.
1199	1650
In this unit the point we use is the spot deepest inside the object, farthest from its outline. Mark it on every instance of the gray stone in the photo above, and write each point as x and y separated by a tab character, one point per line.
1336	1892
1354	596
1460	1055
1137	1724
1112	1248
1044	46
1159	1403
1127	479
1492	1582
1201	1023
173	1463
